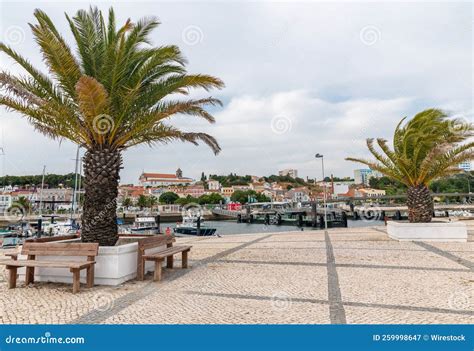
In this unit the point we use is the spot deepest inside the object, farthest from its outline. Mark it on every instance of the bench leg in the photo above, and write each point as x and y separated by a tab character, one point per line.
30	275
169	261
141	269
76	275
90	276
184	259
11	277
157	275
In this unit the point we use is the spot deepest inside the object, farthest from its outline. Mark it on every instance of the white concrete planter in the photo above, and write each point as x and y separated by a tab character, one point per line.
114	265
434	231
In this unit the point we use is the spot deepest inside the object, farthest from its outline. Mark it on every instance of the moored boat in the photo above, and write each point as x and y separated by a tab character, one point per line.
191	225
145	225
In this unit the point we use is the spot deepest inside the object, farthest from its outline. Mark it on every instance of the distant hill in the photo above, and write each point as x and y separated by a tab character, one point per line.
50	180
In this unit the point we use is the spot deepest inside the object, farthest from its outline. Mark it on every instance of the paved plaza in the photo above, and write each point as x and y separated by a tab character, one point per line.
350	275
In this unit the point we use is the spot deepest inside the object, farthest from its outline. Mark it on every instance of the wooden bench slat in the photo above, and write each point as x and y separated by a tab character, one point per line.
60	249
48	264
33	249
167	252
154	241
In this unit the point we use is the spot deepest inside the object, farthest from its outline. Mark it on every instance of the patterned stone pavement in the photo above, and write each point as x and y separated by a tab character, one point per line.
354	275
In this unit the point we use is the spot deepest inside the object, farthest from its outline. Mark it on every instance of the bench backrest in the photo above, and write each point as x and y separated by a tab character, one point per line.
60	249
150	243
154	241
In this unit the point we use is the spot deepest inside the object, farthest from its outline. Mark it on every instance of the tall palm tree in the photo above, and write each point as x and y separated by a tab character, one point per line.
116	91
427	147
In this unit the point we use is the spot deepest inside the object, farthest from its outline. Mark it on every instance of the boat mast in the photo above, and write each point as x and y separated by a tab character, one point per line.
79	186
41	194
73	209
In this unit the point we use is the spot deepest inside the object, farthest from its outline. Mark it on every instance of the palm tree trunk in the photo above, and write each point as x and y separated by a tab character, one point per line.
99	219
420	204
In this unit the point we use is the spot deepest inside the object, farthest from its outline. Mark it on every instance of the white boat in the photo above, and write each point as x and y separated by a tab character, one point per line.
60	228
145	225
192	225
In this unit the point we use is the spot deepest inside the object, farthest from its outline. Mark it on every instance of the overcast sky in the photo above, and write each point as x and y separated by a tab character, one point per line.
300	78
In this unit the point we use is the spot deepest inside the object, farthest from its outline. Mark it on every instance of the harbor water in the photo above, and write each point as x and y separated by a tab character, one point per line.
232	227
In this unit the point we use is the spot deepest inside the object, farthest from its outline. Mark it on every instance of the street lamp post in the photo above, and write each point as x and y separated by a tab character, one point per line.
324	191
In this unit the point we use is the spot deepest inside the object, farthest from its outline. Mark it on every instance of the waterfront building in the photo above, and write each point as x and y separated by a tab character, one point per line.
293	173
241	187
363	192
363	176
213	184
466	166
298	194
271	194
5	202
54	198
257	187
341	187
164	179
227	191
194	190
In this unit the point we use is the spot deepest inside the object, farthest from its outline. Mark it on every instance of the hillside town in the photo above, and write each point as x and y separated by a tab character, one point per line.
150	186
155	189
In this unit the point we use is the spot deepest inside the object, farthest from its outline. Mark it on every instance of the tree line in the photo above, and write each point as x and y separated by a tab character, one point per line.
50	180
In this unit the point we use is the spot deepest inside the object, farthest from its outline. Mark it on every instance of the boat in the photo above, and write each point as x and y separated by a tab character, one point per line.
53	228
191	225
145	225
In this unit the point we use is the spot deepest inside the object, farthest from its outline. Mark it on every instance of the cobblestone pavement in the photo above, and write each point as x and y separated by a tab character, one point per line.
355	275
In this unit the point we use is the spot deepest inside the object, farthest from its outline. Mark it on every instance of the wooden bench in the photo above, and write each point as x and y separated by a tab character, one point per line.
32	250
158	257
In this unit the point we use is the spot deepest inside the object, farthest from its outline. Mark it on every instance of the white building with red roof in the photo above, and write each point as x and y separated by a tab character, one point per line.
163	179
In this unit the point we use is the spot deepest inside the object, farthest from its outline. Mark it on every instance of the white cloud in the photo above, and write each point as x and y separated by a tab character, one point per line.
302	64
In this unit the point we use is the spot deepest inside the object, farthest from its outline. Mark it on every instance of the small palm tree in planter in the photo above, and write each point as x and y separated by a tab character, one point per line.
115	92
428	146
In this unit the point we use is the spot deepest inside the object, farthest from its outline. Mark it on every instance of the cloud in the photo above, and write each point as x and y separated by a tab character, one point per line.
300	78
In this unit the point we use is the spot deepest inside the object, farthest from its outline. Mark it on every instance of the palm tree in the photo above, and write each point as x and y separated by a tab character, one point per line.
427	147
115	92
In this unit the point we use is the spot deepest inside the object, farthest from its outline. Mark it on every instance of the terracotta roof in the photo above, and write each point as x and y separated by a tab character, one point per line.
159	175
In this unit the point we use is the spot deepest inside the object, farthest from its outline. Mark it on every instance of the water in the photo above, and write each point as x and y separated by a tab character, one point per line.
232	227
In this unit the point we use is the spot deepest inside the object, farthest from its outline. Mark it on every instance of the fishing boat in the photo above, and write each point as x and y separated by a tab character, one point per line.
145	225
191	225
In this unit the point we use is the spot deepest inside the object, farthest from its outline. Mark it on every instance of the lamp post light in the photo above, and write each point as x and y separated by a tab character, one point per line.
324	191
